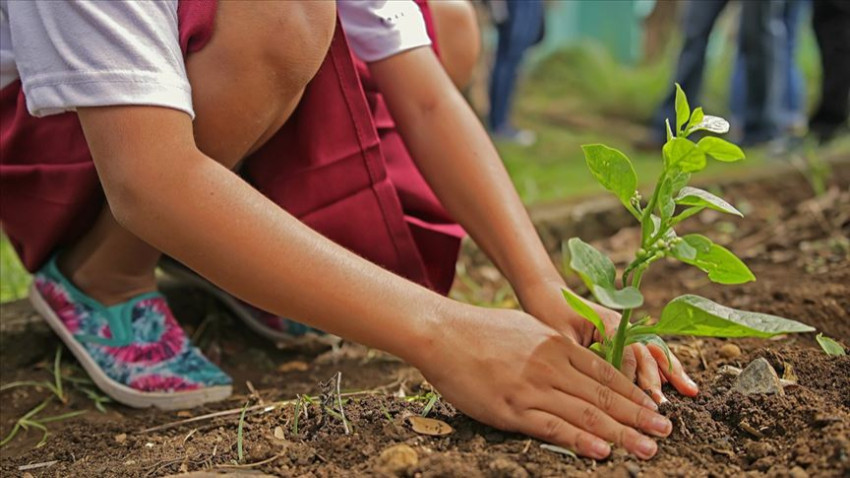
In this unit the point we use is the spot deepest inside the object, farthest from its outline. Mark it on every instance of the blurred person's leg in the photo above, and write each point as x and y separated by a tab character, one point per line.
697	23
763	42
457	31
831	22
519	32
794	99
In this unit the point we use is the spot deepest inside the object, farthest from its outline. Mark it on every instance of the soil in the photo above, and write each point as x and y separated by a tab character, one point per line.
796	245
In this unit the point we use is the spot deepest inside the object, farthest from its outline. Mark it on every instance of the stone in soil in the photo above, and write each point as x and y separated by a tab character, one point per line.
730	351
398	458
758	378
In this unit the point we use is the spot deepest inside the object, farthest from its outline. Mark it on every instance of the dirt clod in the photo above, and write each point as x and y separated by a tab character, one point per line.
505	468
397	459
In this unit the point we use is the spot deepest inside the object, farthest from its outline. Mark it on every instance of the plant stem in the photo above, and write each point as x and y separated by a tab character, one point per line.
620	337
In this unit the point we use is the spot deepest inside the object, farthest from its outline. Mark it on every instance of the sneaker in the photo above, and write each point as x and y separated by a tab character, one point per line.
280	330
134	351
521	137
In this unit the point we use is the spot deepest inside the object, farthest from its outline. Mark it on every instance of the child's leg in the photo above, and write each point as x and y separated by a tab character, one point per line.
245	83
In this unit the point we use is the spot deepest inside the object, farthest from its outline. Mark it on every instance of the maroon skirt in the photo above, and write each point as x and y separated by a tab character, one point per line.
338	164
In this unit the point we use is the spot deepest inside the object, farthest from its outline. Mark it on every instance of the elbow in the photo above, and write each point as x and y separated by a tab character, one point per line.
126	200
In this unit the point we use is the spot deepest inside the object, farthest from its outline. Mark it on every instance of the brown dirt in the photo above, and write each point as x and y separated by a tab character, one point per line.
796	246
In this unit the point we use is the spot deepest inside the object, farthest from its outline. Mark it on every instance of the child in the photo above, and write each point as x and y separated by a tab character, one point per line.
171	96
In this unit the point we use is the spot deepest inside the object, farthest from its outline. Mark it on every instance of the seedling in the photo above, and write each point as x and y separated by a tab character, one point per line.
672	202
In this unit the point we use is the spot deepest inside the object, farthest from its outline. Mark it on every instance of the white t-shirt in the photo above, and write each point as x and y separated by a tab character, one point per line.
76	53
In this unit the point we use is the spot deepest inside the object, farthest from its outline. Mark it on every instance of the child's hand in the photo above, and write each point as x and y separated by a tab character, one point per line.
509	370
646	364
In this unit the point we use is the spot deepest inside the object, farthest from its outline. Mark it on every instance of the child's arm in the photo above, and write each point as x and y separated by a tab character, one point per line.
502	367
459	161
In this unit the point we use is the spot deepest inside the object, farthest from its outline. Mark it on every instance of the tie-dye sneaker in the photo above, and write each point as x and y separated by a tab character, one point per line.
280	330
134	351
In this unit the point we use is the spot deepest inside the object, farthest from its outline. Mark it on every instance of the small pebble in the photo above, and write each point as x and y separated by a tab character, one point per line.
398	458
798	472
120	438
730	351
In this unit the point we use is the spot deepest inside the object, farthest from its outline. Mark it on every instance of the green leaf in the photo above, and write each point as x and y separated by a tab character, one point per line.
689	196
666	205
830	346
694	315
683	155
598	349
626	298
696	118
712	124
648	339
678	180
612	169
584	310
720	149
722	266
592	266
684	252
669	131
598	273
683	111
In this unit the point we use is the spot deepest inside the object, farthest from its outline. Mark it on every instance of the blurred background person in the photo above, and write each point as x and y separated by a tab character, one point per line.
519	24
762	41
831	22
792	116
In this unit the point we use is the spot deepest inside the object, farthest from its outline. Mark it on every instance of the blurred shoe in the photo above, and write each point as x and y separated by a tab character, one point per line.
134	351
509	134
279	330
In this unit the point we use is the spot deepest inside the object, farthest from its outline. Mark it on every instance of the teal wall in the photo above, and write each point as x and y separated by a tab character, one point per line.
616	24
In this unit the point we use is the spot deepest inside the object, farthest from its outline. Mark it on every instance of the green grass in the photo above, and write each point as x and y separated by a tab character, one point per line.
14	280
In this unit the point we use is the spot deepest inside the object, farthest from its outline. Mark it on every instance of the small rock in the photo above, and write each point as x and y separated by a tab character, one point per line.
757	449
633	468
398	458
120	438
798	472
278	433
758	378
730	351
505	468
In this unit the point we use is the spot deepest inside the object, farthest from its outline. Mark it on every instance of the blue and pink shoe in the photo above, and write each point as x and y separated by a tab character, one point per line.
280	330
134	351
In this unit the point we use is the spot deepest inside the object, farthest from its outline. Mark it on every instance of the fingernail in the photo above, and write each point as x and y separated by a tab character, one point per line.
646	447
660	424
648	402
661	398
690	382
600	449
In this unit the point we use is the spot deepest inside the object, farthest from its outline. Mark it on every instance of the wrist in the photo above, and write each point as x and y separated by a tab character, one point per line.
418	343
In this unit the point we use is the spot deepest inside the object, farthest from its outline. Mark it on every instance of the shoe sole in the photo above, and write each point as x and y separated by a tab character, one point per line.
283	340
118	391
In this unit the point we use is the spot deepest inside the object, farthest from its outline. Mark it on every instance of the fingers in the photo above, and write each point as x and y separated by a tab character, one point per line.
677	377
601	371
553	429
648	377
618	407
585	417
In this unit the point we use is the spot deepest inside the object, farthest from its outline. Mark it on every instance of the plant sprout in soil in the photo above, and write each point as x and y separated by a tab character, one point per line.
672	202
